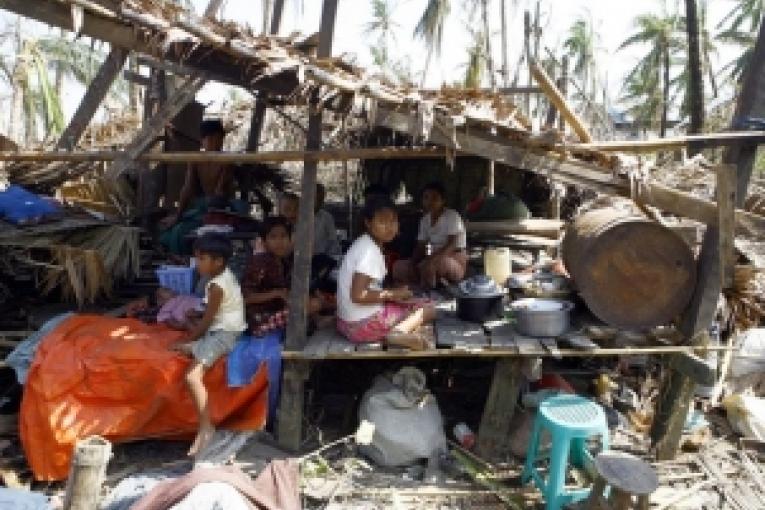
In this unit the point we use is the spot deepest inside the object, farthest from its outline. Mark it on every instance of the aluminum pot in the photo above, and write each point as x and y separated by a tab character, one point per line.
479	299
542	317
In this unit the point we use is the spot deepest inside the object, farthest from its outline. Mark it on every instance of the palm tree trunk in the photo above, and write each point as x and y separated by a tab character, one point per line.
665	90
427	66
487	35
695	75
16	122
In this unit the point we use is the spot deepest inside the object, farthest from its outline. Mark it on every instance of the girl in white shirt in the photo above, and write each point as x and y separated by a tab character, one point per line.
444	231
366	312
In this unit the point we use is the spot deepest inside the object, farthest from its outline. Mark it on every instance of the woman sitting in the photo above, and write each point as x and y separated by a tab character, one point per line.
443	231
267	279
366	312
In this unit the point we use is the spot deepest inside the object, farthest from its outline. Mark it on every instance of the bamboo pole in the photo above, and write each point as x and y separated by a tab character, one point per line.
230	157
556	98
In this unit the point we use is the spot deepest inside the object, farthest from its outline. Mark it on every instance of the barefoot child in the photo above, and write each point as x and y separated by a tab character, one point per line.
217	331
366	312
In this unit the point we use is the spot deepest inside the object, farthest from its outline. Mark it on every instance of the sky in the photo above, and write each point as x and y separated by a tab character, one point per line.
613	21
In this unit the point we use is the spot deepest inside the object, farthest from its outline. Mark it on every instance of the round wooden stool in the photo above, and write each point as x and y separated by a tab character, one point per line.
628	477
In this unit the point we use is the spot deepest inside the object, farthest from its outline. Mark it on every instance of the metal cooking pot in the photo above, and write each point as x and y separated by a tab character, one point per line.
542	317
479	299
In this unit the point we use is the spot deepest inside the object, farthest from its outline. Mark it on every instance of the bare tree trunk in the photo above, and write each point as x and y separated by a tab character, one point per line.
487	32
665	90
695	76
428	59
267	5
505	67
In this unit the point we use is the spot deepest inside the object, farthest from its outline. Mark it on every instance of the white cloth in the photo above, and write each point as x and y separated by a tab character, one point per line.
363	257
325	235
448	224
230	316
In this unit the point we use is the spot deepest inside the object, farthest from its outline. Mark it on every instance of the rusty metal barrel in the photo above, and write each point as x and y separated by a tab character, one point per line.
631	272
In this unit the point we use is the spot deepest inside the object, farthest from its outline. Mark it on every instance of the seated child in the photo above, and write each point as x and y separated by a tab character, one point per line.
441	228
217	331
366	312
267	279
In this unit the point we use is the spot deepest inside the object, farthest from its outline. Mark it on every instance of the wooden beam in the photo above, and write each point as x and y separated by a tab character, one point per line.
234	157
149	132
136	78
605	352
704	141
556	98
94	96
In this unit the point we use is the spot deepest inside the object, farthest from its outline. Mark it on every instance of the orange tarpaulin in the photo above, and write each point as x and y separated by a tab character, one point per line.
118	378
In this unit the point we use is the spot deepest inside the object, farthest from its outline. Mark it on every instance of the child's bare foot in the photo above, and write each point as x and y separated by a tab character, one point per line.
204	436
414	341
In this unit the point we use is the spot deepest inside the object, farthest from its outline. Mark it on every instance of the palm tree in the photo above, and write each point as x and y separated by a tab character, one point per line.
382	24
580	47
743	22
695	88
431	29
659	32
476	62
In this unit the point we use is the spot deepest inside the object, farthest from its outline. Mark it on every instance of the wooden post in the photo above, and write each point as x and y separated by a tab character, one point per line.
291	412
499	408
94	95
88	470
726	221
677	389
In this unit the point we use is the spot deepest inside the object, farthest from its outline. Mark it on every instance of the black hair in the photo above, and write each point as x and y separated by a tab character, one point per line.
376	189
437	187
376	203
215	245
211	127
290	196
272	222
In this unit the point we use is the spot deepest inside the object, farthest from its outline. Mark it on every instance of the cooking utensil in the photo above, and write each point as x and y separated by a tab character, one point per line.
479	299
541	317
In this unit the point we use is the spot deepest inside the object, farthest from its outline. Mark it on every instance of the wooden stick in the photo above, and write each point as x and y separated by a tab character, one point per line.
232	157
653	145
556	98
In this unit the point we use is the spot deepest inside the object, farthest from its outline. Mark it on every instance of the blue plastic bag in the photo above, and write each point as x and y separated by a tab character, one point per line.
17	206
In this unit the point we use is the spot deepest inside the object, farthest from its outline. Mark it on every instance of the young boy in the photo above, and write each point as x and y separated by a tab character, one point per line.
216	333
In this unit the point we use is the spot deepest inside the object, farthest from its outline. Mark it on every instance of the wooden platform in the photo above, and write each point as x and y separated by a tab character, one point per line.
460	339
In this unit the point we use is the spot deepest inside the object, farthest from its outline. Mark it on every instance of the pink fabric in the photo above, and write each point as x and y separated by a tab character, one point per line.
275	488
428	272
176	308
376	327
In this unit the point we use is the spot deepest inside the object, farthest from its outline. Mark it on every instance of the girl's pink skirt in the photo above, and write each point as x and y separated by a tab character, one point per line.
376	327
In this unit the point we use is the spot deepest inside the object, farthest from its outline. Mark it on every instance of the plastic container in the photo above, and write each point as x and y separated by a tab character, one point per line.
496	265
464	436
178	278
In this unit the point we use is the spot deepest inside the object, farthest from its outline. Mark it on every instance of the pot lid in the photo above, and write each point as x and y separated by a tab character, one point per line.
479	286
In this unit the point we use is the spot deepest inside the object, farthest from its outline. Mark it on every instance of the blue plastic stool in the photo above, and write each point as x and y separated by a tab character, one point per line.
570	420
